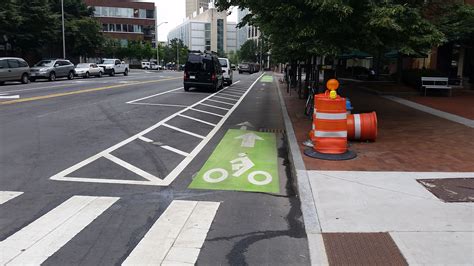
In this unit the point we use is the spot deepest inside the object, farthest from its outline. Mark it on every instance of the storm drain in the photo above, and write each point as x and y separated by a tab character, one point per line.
362	249
450	189
272	130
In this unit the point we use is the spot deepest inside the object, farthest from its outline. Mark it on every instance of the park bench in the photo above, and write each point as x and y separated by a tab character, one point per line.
435	83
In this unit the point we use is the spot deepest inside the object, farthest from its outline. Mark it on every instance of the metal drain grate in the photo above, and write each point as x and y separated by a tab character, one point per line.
272	130
450	189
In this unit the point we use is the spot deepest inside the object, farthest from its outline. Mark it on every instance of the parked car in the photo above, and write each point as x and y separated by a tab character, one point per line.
52	69
246	67
86	70
14	69
114	66
150	65
226	70
203	70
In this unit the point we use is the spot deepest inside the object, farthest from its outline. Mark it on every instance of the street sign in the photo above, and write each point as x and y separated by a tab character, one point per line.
243	161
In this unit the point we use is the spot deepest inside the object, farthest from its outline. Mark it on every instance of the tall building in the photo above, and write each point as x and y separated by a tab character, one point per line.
208	31
247	32
194	6
126	20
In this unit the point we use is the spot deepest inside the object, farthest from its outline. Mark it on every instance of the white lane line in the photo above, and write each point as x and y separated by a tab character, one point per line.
63	175
233	93
225	98
132	168
34	243
213	106
233	90
40	88
9	97
154	95
229	95
177	236
145	139
198	120
8	195
183	131
180	152
162	104
231	104
205	112
448	116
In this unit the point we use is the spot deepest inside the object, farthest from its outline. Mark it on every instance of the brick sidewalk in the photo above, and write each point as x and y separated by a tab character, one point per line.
409	140
462	103
374	210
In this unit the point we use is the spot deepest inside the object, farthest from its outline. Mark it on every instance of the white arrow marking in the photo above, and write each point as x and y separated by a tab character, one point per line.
248	140
244	125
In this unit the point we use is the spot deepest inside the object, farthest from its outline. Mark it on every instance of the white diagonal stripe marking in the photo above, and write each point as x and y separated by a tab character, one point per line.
8	195
182	227
39	240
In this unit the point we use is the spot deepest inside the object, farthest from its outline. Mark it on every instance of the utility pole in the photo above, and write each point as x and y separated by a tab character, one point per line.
64	38
158	45
177	54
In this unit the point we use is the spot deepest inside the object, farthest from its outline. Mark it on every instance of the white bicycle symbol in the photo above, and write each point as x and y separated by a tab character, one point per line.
240	165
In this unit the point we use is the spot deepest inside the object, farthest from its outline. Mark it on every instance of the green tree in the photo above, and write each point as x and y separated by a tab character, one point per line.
300	28
148	52
233	57
37	28
176	51
9	19
248	51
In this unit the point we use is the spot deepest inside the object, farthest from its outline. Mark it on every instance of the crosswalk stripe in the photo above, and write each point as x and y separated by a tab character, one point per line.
8	195
177	236
39	240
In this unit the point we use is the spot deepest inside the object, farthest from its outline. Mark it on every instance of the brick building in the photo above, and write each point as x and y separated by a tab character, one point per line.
126	20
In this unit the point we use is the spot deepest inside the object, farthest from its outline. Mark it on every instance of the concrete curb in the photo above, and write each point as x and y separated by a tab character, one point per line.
310	214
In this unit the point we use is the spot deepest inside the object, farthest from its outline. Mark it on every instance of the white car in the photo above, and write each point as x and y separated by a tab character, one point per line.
226	70
86	70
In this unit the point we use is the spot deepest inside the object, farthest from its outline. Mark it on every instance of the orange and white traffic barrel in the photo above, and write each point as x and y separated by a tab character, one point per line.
330	125
362	126
329	134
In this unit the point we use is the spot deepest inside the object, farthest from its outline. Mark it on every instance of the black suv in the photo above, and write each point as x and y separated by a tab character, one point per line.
203	70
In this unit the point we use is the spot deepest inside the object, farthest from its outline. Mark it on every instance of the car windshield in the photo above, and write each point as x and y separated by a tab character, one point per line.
223	62
108	61
82	65
198	63
44	63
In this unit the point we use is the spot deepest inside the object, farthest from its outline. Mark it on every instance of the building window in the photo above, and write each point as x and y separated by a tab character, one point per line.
150	13
220	35
122	28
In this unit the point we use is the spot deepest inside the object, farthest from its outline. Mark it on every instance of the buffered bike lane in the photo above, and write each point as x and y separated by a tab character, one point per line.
259	220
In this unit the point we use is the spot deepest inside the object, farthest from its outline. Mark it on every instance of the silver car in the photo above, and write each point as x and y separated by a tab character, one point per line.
14	69
52	69
86	70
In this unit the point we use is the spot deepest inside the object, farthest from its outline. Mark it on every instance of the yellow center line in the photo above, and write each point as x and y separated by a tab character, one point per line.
36	98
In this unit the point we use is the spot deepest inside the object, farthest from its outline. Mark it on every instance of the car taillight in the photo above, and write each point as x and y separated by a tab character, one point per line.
213	77
186	76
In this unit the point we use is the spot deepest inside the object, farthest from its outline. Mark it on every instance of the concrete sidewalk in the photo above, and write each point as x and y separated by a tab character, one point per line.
379	208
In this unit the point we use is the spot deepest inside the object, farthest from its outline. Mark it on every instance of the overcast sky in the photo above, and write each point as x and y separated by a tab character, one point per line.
173	12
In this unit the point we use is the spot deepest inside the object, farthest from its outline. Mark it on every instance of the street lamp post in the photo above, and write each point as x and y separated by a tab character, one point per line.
64	38
158	45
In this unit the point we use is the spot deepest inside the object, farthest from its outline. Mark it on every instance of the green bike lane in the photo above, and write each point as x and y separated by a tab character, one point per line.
246	169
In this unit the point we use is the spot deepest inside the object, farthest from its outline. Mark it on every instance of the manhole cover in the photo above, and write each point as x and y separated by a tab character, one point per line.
450	189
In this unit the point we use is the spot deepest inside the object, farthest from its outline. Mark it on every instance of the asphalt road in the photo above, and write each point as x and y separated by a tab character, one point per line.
96	172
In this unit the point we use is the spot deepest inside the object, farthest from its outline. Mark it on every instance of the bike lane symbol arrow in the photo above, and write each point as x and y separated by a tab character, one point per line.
248	140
